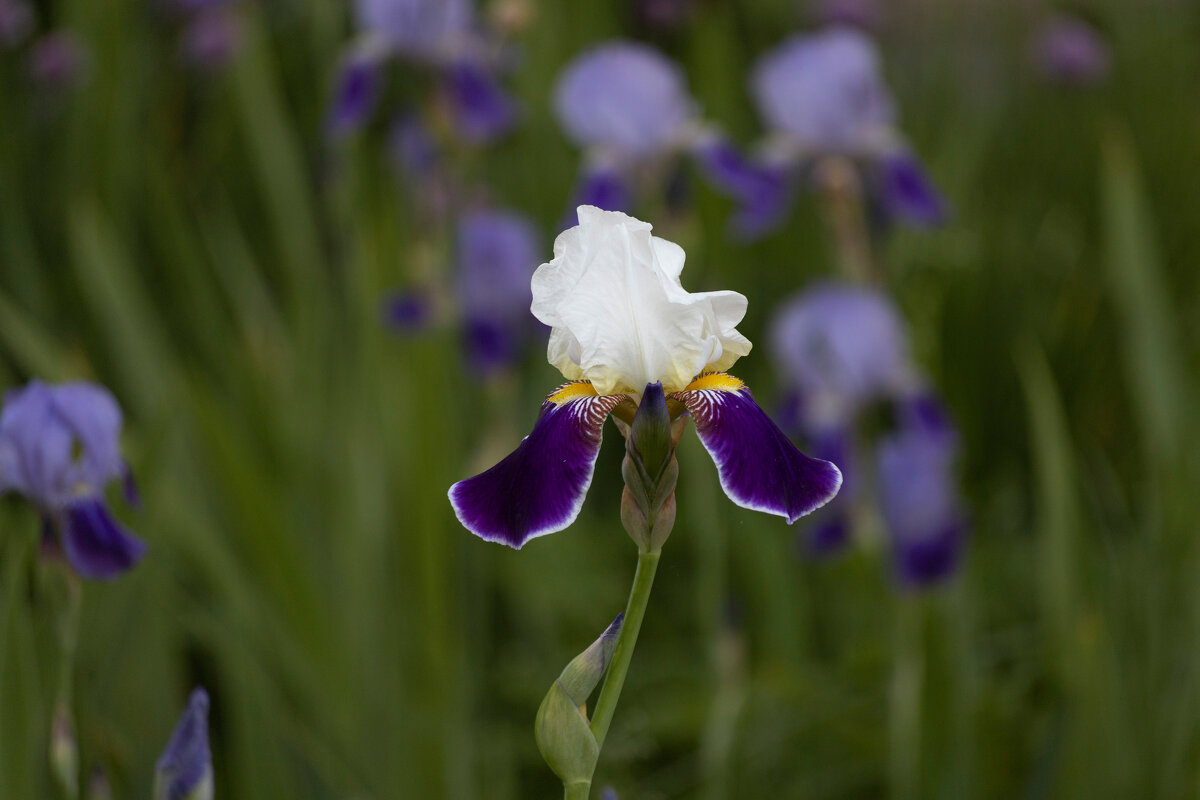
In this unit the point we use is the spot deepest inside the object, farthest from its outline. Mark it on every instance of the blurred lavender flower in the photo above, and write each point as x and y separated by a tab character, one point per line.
441	35
919	498
497	254
408	311
628	106
212	38
822	95
16	22
59	448
1070	51
58	61
840	347
829	531
184	771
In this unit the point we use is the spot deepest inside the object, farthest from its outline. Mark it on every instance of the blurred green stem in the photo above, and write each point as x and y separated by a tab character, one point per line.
635	610
905	712
842	196
67	593
577	791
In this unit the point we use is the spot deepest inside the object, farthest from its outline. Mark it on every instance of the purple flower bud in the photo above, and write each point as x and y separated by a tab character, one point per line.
212	38
1070	51
824	91
16	22
919	500
625	97
862	14
426	29
840	347
497	254
356	93
603	188
184	771
479	106
58	60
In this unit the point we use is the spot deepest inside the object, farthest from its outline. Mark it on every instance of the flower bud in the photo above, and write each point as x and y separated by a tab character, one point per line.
650	435
563	733
184	771
64	752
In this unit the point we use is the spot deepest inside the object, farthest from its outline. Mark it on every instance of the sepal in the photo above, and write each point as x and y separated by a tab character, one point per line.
563	733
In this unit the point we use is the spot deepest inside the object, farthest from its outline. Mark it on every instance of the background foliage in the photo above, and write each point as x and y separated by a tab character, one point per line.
196	244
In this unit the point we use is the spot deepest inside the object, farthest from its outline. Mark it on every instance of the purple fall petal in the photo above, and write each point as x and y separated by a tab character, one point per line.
758	465
830	529
184	770
603	188
480	107
407	311
907	192
98	546
539	487
763	192
357	92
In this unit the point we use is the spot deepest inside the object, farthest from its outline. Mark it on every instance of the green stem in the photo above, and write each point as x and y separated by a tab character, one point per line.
578	790
905	717
635	610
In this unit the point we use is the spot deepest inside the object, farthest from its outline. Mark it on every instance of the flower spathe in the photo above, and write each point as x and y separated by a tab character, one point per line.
621	321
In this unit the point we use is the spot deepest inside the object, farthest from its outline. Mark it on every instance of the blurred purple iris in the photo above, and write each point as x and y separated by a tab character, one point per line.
840	348
212	37
58	60
628	106
1070	51
184	771
16	22
822	95
918	496
59	448
439	35
497	254
844	354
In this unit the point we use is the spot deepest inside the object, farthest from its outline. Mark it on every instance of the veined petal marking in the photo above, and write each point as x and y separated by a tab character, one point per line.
758	465
539	488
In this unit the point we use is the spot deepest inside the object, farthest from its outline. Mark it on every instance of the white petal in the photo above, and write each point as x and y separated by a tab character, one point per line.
619	315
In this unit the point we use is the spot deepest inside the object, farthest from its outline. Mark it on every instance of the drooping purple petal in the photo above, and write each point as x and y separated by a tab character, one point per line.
623	96
481	109
603	188
490	345
538	488
919	499
764	192
829	530
907	192
824	90
357	92
184	771
758	465
98	546
1070	51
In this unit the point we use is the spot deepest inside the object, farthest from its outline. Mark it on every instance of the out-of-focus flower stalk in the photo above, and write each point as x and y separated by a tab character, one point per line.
64	590
842	197
904	713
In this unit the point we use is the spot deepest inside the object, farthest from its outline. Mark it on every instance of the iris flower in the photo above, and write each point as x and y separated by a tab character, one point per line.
822	95
623	328
59	448
184	770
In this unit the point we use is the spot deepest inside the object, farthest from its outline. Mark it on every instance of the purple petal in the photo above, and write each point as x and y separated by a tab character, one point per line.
907	192
830	529
827	536
759	467
407	311
411	146
129	489
480	107
539	487
1070	51
185	768
764	193
603	188
496	255
98	546
212	38
16	22
491	344
58	60
919	499
623	96
357	92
